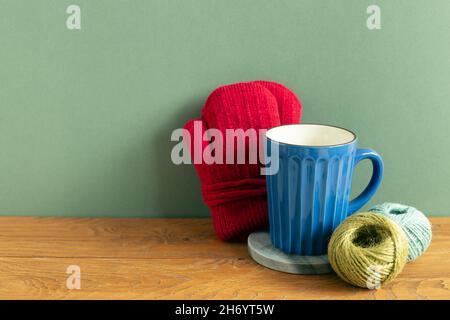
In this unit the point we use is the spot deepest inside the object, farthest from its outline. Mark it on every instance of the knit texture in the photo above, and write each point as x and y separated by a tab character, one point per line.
235	193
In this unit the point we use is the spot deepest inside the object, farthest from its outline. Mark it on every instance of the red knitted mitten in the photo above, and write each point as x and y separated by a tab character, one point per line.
236	193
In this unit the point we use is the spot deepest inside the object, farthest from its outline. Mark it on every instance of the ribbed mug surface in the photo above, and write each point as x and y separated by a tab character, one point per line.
309	195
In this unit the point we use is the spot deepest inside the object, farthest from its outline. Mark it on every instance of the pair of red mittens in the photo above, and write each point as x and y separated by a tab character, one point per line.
235	192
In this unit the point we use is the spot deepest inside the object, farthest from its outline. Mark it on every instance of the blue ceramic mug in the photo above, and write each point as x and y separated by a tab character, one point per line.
308	194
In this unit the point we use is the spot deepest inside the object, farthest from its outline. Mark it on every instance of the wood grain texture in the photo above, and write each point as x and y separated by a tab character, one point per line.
178	259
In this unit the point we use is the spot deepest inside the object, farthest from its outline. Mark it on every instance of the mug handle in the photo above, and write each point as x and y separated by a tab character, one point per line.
372	187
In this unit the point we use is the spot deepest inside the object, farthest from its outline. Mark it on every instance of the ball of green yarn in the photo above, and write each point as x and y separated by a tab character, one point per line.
367	250
414	223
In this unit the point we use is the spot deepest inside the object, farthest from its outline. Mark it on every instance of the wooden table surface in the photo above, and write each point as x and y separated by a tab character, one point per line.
178	259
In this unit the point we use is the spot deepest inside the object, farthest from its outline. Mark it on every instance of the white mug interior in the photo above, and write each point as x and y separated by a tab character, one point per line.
311	135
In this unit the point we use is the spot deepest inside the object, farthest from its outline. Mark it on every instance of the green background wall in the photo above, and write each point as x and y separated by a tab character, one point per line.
86	116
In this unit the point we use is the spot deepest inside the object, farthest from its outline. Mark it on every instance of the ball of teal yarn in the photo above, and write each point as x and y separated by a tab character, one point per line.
414	223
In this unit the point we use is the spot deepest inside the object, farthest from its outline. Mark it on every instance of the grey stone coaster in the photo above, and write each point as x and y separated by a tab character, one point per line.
262	251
